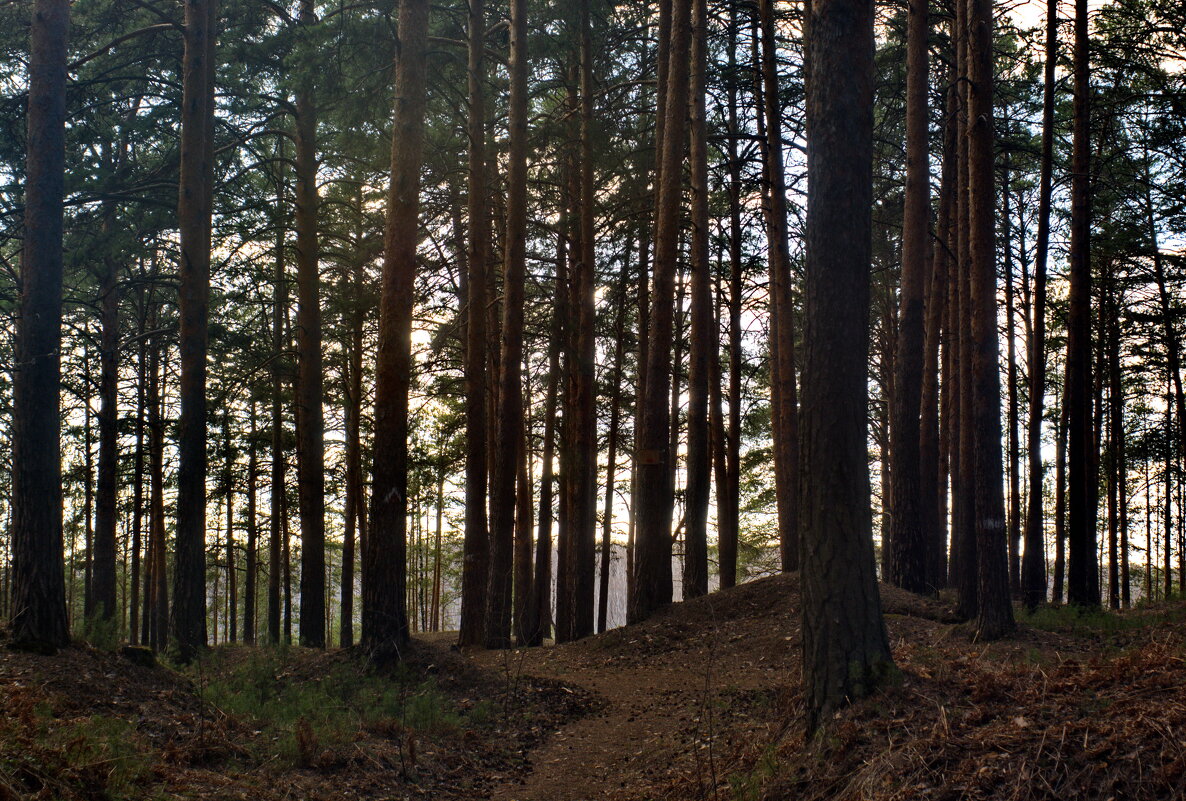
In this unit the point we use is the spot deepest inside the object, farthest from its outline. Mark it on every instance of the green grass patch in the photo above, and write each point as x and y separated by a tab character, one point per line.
1083	620
45	756
301	716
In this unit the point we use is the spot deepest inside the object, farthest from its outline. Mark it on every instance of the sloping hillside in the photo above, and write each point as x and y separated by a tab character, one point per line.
701	702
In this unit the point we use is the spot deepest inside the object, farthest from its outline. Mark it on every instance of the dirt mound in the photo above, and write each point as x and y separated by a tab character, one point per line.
703	701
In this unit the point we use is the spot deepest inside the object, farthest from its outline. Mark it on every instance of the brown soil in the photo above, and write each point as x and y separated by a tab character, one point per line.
701	702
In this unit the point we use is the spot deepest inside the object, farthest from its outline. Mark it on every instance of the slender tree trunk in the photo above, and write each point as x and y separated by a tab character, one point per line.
476	559
251	572
908	541
541	621
583	432
508	437
311	423
138	482
384	612
88	490
701	339
1033	566
1012	412
355	501
845	650
965	507
1083	584
782	322
995	612
611	468
933	460
1167	573
729	494
156	612
278	532
1060	505
523	525
652	581
1117	466
194	209
436	561
231	582
103	586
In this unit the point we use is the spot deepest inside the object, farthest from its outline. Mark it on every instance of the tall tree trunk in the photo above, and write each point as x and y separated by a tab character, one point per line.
1167	499
355	501
1060	504
783	398
311	423
278	531
845	650
88	489
701	338
652	561
231	583
965	504
138	570
611	465
103	580
156	601
384	612
541	620
1117	465
251	571
1033	565
194	209
995	612
1083	583
39	586
933	462
523	599
908	540
729	494
475	564
583	431
508	439
1012	412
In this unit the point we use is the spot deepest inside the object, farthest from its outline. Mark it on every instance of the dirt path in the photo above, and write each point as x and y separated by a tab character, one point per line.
681	695
685	694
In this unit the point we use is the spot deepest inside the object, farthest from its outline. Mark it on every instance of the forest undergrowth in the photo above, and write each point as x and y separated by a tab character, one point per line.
701	702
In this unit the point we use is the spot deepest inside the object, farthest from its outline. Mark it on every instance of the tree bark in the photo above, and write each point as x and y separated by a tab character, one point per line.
251	571
476	549
701	339
995	612
784	403
1033	565
508	439
729	493
384	606
194	209
39	586
908	540
103	579
845	650
583	430
1082	573
652	563
311	423
278	532
139	570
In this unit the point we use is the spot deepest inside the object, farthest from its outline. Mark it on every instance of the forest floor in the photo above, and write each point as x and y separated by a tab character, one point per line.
700	702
